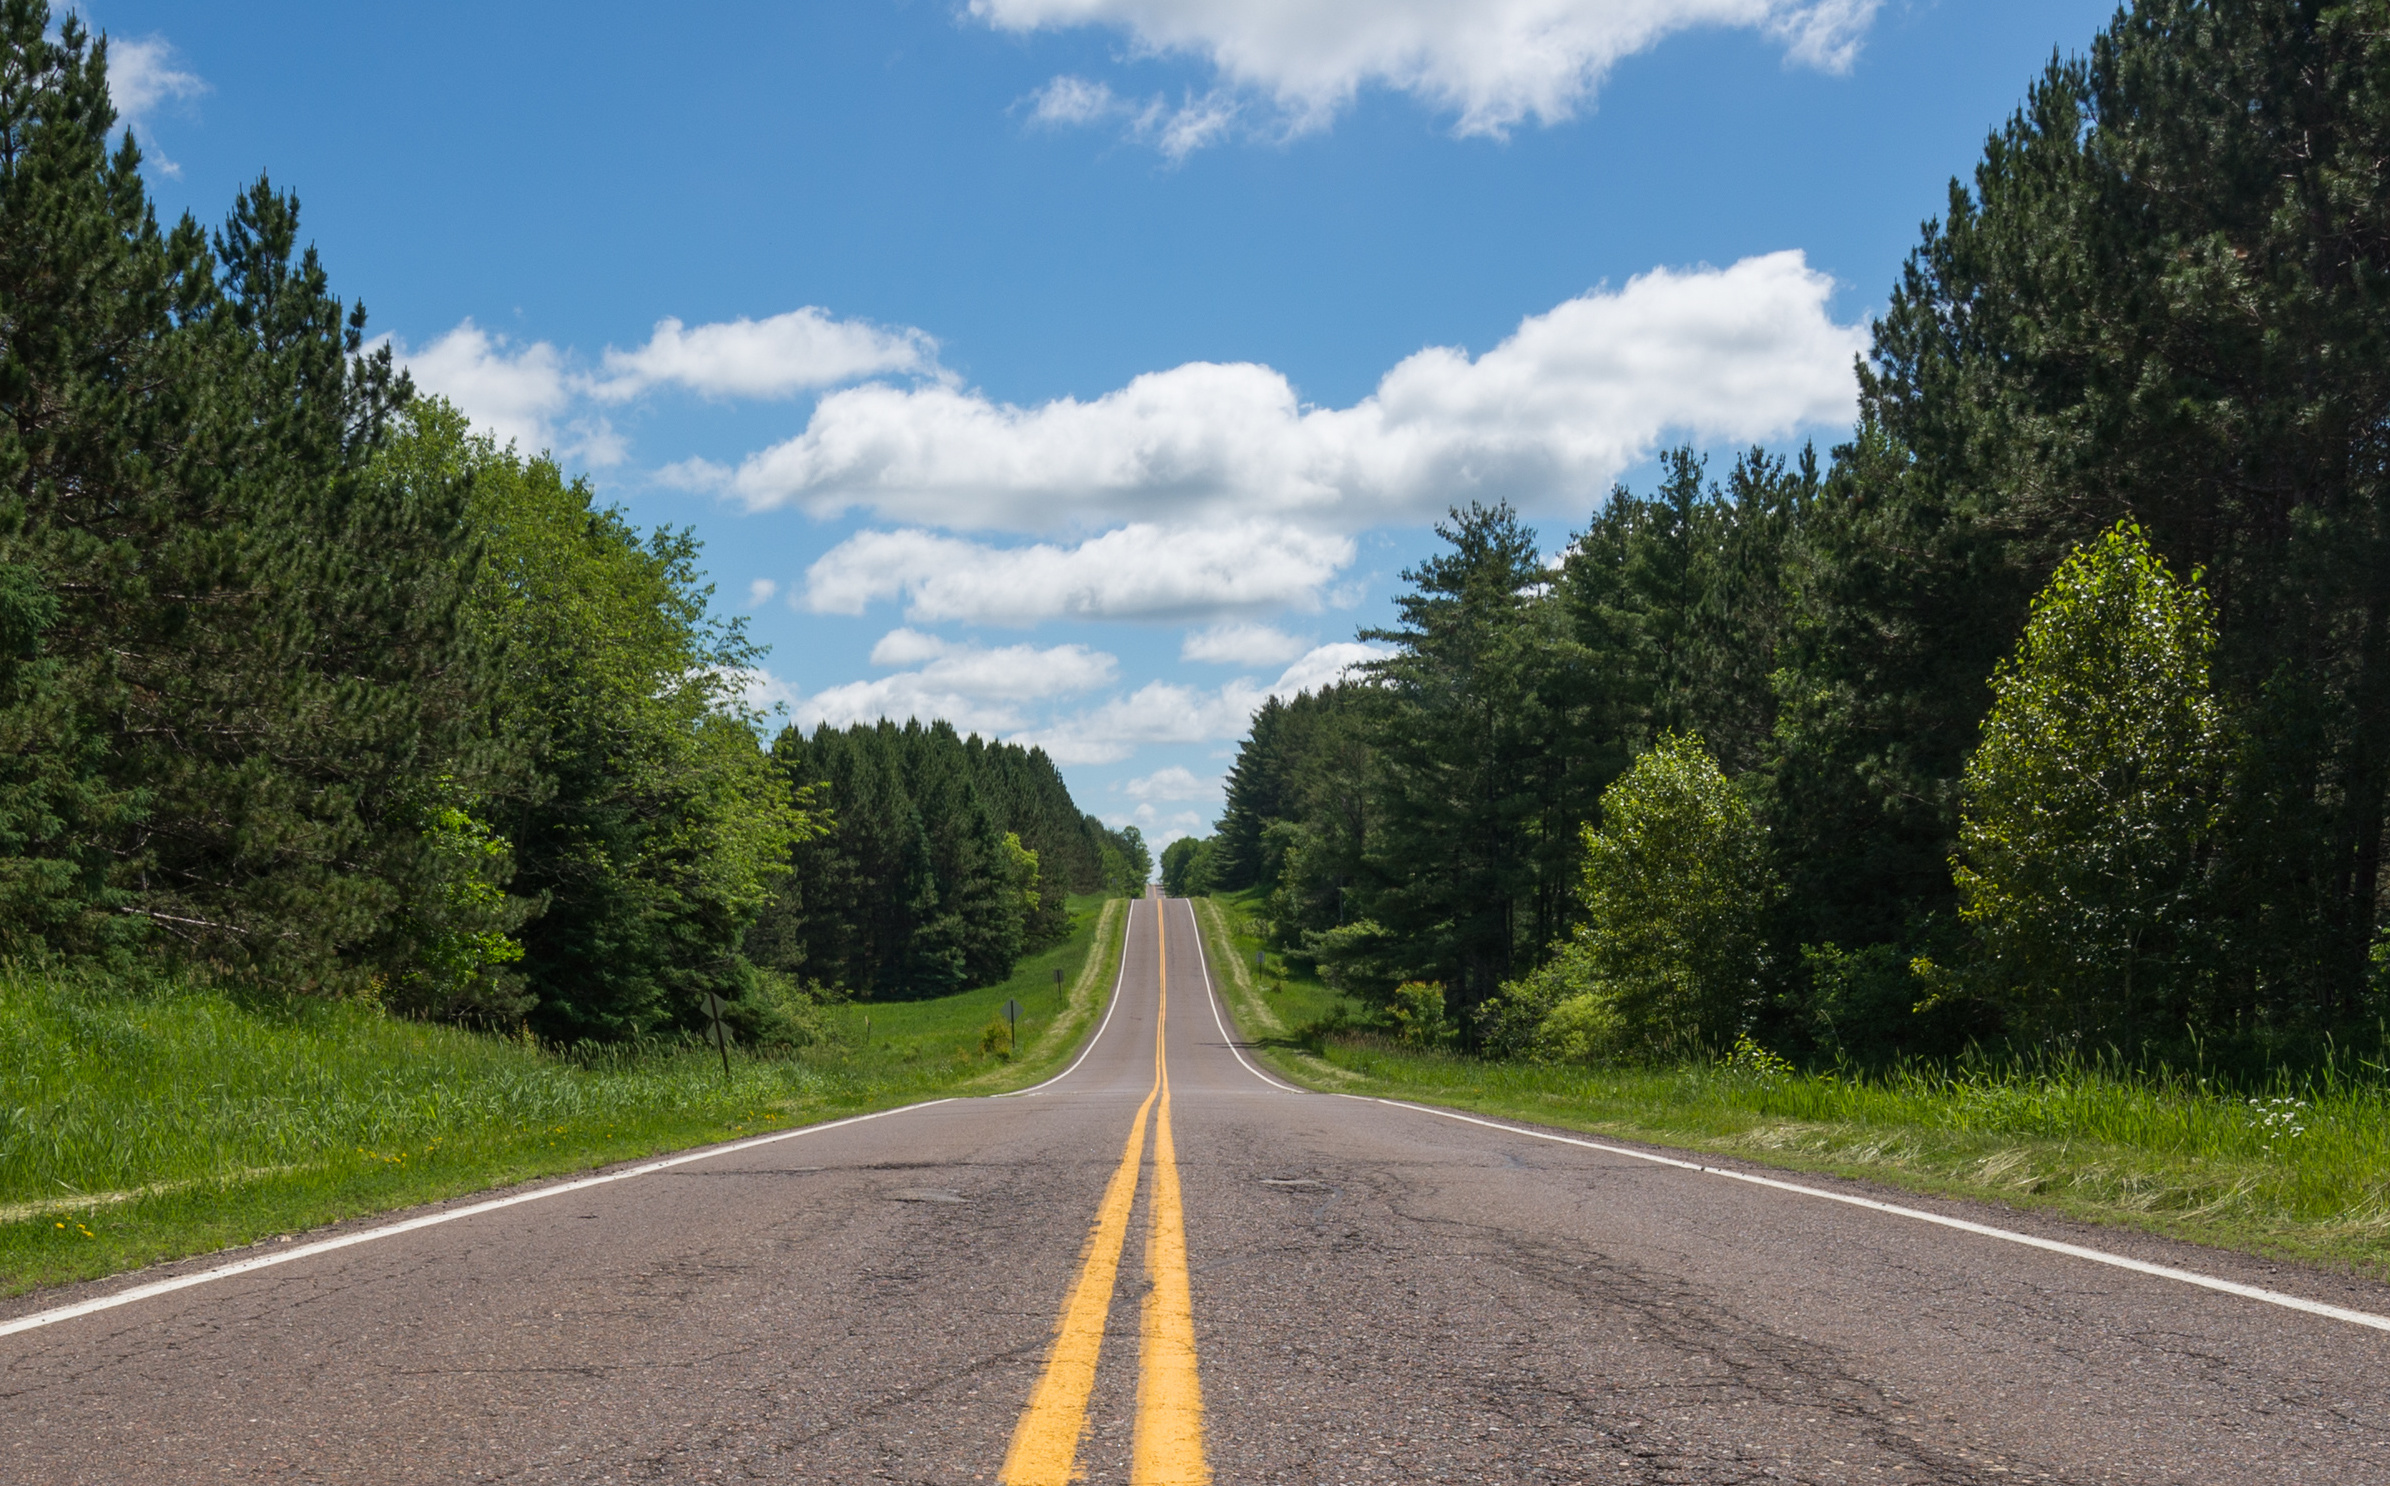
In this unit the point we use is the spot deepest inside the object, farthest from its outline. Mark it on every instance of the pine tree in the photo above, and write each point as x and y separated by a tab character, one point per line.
237	623
2157	300
646	827
1256	796
924	882
1457	744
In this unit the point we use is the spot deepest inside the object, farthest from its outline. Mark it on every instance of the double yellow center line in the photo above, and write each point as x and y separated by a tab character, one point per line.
1169	1443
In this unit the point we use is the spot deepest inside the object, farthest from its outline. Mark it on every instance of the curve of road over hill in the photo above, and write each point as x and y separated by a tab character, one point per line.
1164	1267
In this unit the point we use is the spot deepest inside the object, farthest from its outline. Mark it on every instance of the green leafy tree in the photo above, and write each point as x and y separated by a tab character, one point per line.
1026	792
458	937
645	825
2094	795
299	681
1677	888
1190	865
1027	884
1128	861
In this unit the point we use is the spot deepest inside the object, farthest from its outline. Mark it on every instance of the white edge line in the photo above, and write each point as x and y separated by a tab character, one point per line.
1128	921
1205	961
428	1220
2075	1251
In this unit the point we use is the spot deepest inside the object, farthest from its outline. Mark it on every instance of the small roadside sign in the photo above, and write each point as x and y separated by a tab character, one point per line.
1012	1018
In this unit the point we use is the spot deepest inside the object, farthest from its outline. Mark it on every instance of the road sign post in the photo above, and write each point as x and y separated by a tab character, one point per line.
1012	1019
717	1031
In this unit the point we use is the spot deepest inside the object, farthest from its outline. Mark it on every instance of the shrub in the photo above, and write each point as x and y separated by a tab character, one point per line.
1676	892
1419	1015
1584	1028
996	1037
1511	1024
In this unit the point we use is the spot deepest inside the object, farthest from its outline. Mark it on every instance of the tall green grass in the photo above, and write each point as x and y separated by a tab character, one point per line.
102	1092
140	1122
2299	1166
908	1040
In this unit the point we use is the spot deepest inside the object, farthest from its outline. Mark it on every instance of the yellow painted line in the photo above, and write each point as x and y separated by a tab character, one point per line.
1169	1445
1169	1441
1045	1444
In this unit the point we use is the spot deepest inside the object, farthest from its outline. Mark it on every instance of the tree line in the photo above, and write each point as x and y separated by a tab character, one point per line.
2053	708
304	684
946	860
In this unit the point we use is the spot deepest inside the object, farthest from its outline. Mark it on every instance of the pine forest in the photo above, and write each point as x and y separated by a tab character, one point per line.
307	686
2048	714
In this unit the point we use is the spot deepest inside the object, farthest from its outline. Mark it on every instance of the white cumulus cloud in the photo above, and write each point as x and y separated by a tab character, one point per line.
1157	712
1171	784
978	688
542	398
1073	100
901	698
1546	419
1326	666
1158	829
1140	571
764	358
518	394
1240	643
999	690
763	692
1490	63
145	71
1006	672
1167	712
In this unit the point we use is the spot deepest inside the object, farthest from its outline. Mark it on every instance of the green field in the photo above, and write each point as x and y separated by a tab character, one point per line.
2299	1170
140	1125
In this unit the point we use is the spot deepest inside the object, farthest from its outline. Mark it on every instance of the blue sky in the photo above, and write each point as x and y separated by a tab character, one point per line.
1082	370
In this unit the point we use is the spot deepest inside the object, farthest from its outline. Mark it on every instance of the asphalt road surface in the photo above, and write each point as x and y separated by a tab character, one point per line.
1207	1277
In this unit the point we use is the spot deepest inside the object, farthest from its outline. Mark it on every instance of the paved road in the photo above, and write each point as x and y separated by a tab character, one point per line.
1220	1280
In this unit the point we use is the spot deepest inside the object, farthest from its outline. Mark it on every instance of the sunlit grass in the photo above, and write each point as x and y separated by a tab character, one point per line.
138	1124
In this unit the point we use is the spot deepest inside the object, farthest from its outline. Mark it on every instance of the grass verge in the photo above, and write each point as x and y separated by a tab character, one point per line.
2302	1172
142	1126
